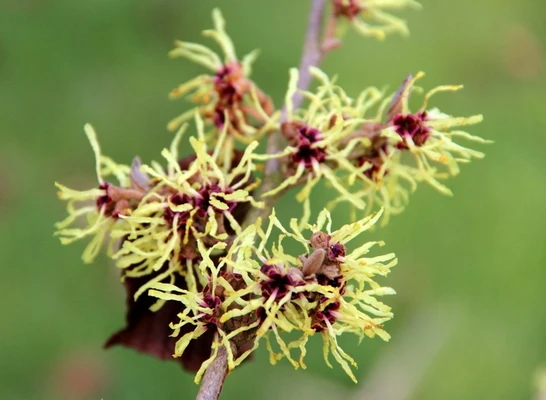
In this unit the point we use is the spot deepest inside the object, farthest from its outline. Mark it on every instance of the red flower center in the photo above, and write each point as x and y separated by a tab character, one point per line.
279	283
105	199
306	153
212	302
328	314
335	250
349	9
178	199
411	126
225	83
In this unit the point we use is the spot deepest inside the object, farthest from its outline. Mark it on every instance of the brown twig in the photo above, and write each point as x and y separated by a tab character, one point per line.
312	53
215	375
312	56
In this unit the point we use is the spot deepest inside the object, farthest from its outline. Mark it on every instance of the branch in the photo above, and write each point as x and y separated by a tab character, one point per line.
312	56
214	377
312	53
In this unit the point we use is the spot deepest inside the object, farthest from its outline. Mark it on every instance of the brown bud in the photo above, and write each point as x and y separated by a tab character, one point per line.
290	130
313	263
319	240
398	99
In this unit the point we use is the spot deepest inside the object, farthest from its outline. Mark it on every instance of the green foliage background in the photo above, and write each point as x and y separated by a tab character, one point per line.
470	318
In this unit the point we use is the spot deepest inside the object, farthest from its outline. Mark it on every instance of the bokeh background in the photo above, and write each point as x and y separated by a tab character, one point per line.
470	317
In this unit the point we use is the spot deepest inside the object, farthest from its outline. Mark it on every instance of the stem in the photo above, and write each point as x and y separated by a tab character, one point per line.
312	56
214	377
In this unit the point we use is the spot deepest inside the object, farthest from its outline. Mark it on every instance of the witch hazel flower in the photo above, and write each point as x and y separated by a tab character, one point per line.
320	138
185	208
228	97
102	206
268	293
374	181
156	218
404	148
120	191
204	310
370	17
429	136
329	291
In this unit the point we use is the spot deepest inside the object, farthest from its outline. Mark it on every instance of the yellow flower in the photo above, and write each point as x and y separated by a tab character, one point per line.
161	216
185	209
260	294
320	137
101	207
357	146
426	137
429	135
228	97
369	18
204	309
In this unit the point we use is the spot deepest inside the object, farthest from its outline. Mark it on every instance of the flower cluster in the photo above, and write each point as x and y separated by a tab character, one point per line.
187	235
357	145
159	215
319	137
326	290
405	148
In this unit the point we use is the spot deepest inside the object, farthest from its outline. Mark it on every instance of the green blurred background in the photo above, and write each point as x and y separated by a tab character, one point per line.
470	318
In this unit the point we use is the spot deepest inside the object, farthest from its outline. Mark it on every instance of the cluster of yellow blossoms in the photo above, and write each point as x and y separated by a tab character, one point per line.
160	215
357	145
184	220
326	290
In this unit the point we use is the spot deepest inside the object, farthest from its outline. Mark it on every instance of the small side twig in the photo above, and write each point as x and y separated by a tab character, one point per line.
312	56
312	52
